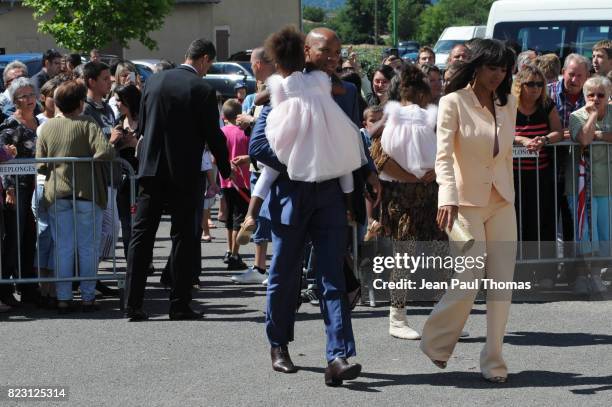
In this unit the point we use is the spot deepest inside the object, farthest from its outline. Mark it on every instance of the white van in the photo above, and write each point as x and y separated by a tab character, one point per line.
559	26
452	36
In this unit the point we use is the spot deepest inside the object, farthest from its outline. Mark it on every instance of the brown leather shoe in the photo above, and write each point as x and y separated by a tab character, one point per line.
281	361
340	369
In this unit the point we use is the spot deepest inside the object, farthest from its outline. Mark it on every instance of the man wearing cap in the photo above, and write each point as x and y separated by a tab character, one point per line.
240	89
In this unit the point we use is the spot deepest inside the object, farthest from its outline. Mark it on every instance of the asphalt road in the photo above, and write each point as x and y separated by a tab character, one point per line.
558	353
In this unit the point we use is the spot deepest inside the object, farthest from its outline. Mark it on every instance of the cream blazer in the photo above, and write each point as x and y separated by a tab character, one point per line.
465	167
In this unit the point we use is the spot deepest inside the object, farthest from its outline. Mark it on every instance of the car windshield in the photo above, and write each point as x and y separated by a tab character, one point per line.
445	46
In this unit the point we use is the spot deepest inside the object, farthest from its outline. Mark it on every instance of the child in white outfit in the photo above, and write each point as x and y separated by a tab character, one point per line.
306	128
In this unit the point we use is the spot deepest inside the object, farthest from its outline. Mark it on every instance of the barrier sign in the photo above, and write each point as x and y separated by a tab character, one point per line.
17	169
522	152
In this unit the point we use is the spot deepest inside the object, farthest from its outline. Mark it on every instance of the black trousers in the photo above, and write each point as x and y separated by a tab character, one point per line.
153	193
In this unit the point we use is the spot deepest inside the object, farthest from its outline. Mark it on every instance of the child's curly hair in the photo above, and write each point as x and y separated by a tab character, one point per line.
286	48
413	86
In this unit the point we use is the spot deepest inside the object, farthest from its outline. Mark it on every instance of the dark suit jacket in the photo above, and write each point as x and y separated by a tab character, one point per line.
178	115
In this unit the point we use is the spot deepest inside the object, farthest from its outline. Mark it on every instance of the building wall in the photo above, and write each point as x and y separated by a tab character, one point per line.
249	23
18	32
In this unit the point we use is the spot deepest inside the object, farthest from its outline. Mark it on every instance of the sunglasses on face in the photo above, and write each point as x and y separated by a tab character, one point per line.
534	84
597	95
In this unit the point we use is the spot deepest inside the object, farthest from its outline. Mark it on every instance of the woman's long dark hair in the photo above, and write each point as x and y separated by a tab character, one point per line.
485	52
129	95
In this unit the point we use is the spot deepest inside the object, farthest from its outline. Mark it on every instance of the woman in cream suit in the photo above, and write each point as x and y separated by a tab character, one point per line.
475	133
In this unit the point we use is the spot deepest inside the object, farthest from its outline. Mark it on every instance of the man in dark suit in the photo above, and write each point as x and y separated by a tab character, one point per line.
178	115
298	210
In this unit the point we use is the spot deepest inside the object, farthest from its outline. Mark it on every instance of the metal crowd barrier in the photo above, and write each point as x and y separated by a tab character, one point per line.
564	252
107	269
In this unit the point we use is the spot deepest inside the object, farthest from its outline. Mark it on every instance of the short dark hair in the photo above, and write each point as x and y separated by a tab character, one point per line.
286	48
68	96
231	109
426	48
200	47
74	60
92	70
50	55
49	87
129	95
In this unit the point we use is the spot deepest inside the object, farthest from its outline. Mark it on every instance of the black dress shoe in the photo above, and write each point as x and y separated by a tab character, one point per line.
186	315
136	314
106	291
10	300
281	361
340	369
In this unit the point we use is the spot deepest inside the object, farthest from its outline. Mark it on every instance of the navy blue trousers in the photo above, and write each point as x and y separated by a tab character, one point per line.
322	218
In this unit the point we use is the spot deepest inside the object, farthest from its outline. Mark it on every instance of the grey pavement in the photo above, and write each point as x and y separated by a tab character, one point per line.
558	353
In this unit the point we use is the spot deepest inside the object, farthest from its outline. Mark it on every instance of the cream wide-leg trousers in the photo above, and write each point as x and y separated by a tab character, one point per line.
494	231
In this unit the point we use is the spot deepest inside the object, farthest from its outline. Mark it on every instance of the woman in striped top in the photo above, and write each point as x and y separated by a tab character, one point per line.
537	125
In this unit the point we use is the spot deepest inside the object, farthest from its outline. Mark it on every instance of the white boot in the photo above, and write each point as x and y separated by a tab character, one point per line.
398	325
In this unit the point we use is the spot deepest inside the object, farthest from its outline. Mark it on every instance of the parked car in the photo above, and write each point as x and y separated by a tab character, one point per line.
145	67
452	36
223	77
32	61
241	56
404	48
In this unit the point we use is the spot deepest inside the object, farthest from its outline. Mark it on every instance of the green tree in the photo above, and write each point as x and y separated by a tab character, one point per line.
354	22
315	14
83	25
448	13
408	12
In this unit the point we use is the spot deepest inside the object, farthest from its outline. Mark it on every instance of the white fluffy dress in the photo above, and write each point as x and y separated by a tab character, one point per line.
308	131
409	137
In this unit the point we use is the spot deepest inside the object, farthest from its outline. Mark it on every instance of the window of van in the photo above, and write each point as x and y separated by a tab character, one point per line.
560	37
445	46
589	35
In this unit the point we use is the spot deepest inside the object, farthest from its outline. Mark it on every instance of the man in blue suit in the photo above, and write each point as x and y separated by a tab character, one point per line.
301	210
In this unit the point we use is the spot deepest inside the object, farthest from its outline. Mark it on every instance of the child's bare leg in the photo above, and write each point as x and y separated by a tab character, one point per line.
248	226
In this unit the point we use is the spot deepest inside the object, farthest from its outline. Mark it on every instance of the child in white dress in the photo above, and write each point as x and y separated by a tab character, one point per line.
306	129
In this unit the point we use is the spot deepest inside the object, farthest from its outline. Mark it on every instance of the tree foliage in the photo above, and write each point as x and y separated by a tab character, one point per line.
81	25
314	14
354	22
447	13
408	12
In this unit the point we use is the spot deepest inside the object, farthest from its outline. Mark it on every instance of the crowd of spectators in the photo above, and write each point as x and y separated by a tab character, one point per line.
91	109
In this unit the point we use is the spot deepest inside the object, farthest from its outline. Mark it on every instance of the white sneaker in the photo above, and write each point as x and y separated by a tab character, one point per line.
597	285
251	276
581	286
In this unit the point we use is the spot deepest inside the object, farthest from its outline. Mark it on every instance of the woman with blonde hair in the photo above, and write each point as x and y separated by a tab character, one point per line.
537	125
